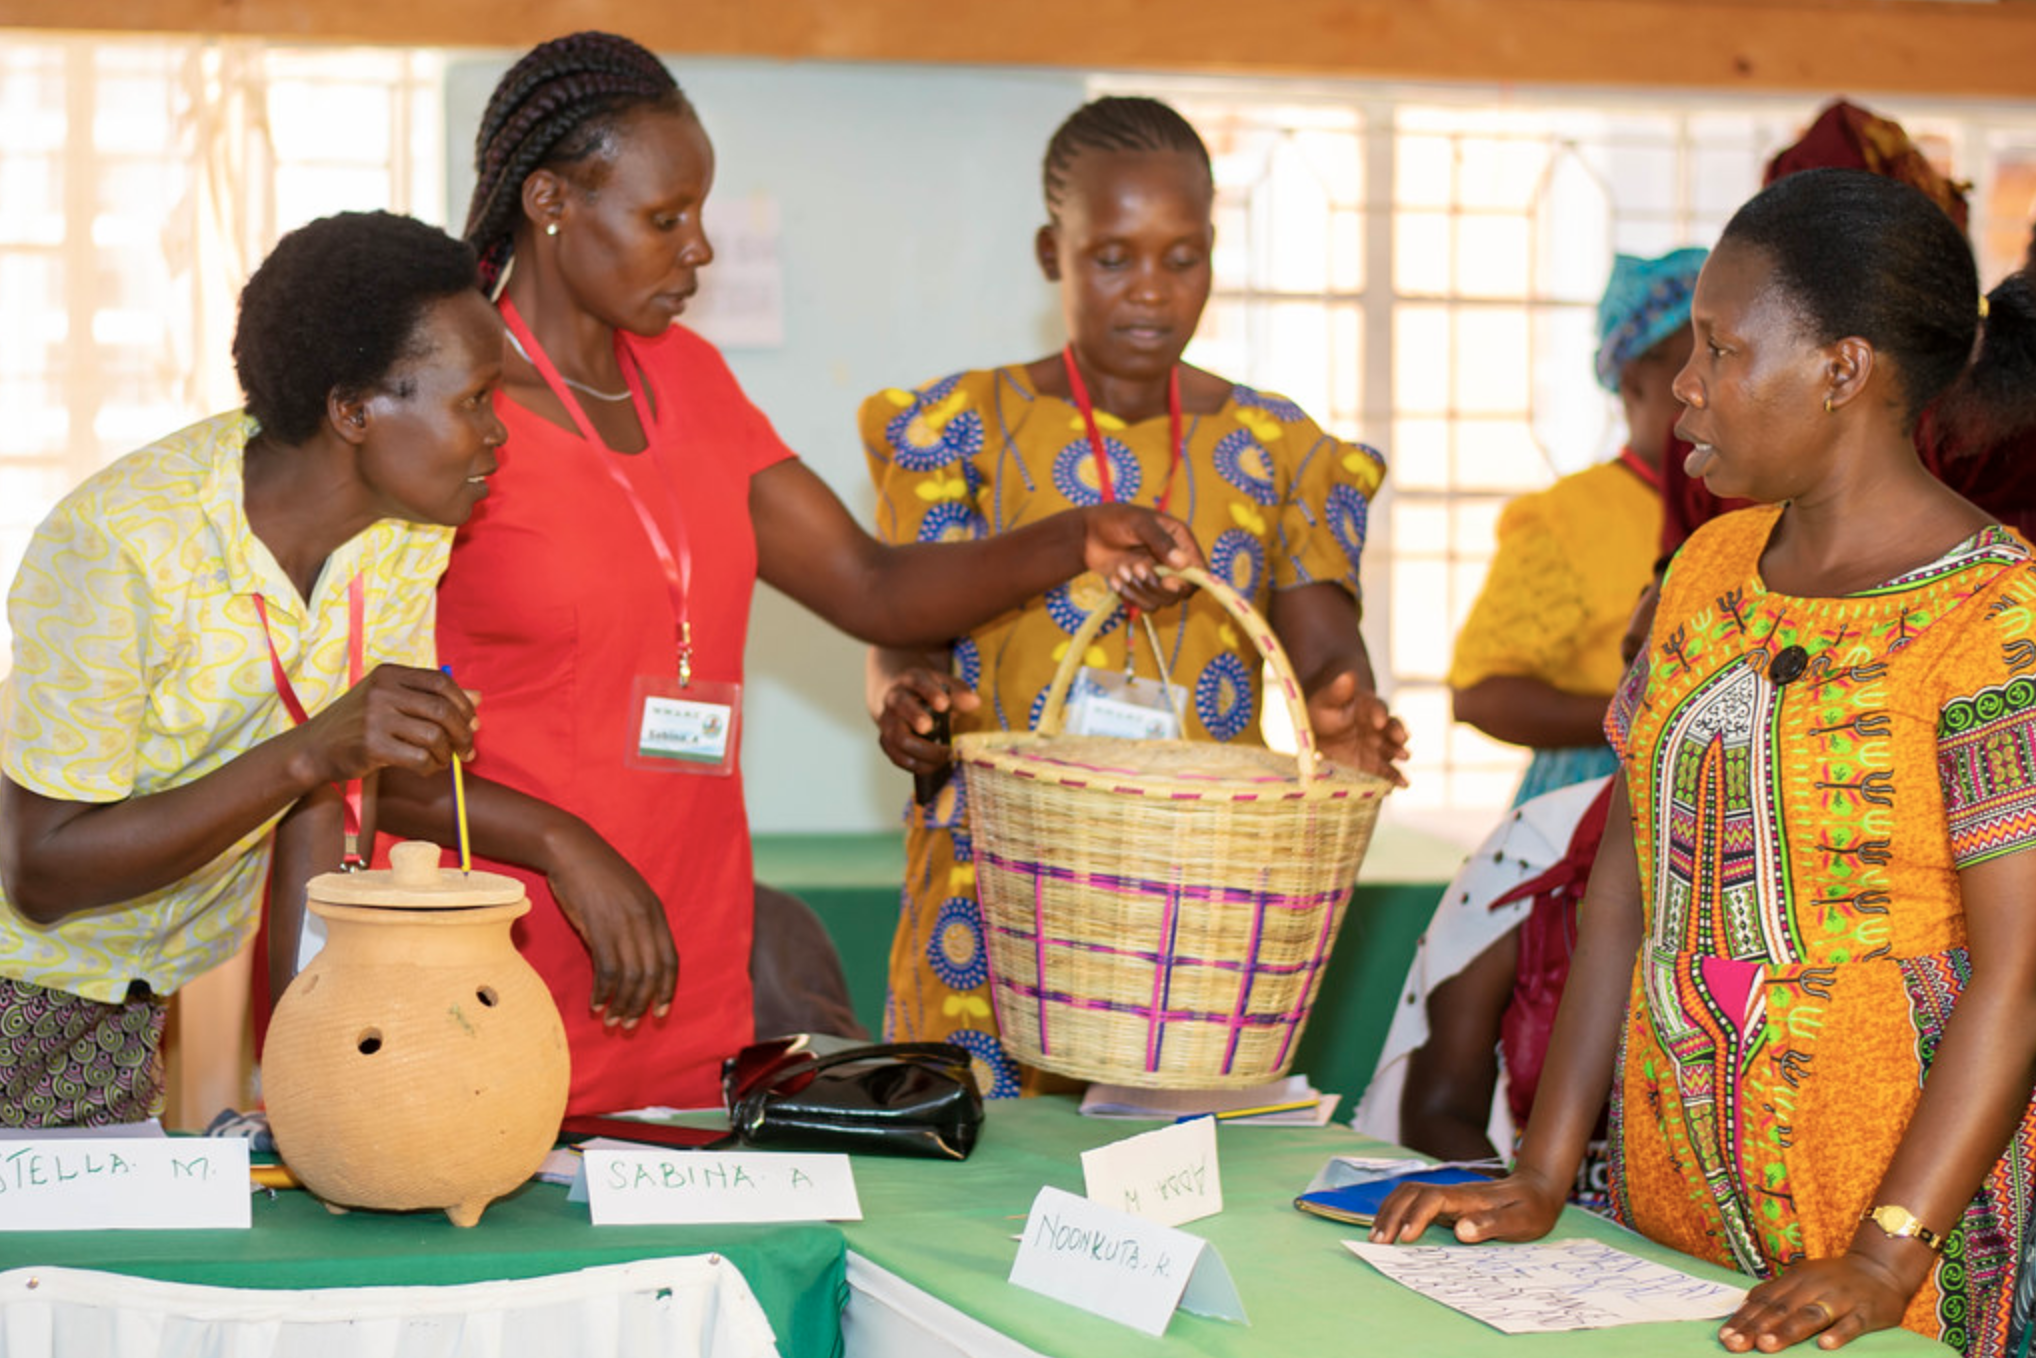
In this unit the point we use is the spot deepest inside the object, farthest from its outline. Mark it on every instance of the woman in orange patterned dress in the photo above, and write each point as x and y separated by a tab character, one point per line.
1827	968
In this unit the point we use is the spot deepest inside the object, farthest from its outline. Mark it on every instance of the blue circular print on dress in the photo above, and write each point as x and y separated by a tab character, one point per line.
1223	696
1038	706
1074	473
996	1073
952	521
968	662
1348	513
918	447
1243	461
956	951
1070	611
1279	407
1238	560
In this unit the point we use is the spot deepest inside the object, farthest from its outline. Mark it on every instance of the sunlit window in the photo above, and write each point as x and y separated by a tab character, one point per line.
140	181
1420	270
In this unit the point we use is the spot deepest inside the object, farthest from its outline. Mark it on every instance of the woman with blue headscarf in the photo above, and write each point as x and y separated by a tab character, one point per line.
1538	658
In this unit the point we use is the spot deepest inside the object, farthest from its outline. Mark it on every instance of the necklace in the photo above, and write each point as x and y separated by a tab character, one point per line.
594	392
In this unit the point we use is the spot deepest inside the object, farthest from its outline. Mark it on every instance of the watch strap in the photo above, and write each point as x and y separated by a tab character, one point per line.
1901	1224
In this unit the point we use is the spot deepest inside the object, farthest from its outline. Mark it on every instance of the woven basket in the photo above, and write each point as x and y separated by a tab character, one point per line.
1159	912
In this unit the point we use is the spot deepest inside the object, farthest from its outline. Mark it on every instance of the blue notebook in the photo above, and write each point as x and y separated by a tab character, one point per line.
1358	1204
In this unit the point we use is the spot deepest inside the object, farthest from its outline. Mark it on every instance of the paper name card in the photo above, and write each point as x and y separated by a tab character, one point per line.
1119	1266
124	1183
650	1187
1169	1176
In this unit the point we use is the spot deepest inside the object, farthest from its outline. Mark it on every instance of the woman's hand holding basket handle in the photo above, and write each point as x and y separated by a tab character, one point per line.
1353	726
1126	544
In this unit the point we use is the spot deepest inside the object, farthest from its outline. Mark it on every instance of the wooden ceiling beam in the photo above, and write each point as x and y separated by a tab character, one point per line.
1978	48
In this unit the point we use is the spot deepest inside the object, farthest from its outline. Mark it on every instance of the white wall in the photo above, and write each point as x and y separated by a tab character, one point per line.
908	198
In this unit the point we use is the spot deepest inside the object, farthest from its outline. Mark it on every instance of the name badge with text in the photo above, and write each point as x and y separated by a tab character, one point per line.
689	729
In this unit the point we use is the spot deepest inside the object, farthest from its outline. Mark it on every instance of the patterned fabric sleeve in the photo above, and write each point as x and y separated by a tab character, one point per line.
403	620
1329	489
81	610
1986	731
1532	607
922	447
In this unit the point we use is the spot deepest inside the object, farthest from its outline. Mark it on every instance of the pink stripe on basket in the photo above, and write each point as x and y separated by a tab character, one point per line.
1244	984
1039	955
1308	992
1172	1016
1145	886
1162	983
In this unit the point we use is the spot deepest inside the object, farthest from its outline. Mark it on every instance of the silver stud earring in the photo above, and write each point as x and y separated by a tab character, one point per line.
551	228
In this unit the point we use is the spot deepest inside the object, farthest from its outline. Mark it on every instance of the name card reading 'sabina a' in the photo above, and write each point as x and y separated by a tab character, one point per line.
124	1183
647	1188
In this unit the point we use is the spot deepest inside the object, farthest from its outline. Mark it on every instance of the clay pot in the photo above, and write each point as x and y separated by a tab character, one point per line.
419	1061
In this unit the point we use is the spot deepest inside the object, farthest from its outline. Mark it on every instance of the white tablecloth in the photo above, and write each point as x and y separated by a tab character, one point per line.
697	1306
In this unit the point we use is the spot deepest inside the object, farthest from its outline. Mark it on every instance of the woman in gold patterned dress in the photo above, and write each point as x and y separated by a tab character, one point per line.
1819	934
1279	505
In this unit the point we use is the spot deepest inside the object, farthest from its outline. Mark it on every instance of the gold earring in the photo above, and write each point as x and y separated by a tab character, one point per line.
1827	405
551	228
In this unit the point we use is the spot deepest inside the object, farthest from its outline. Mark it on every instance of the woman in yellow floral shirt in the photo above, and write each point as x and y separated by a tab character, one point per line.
221	640
1279	506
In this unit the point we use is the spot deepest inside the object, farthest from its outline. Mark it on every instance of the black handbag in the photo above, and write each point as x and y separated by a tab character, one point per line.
810	1092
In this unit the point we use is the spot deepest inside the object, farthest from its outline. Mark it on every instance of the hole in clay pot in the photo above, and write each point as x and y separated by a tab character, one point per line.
369	1042
486	995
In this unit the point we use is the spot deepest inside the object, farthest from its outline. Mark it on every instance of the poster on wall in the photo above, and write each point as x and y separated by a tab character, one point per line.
741	302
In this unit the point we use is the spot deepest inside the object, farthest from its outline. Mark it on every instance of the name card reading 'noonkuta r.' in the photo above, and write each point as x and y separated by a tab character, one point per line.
1168	1176
1121	1267
124	1183
650	1188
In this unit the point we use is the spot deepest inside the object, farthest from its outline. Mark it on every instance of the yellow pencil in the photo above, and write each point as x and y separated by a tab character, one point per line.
1227	1114
273	1176
459	802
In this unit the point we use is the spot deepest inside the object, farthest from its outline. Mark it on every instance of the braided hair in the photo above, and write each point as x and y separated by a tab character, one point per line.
559	105
1117	123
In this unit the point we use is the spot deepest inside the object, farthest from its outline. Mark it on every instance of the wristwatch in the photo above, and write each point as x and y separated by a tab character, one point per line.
1900	1224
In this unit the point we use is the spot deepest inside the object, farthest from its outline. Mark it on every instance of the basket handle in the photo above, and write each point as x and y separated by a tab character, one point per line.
1255	627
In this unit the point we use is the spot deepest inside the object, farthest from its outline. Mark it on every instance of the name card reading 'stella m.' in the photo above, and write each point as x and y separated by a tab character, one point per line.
123	1183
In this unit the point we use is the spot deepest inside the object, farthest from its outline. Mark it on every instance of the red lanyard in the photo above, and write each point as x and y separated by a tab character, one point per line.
1650	476
677	565
1104	483
350	791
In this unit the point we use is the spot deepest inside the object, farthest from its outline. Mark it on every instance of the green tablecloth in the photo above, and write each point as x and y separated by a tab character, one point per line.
795	1271
949	1228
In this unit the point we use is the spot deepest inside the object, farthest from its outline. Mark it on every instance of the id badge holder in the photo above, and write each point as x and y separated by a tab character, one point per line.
1101	703
683	728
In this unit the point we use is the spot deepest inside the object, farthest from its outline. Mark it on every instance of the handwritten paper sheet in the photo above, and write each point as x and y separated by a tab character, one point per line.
1538	1289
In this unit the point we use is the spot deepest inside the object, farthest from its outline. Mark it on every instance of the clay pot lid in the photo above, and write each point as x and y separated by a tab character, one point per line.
415	881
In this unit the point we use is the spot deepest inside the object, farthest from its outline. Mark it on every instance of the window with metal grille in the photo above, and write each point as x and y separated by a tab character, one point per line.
1420	268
